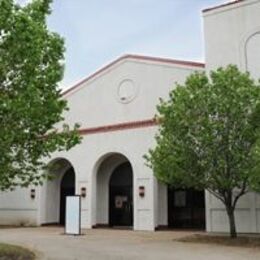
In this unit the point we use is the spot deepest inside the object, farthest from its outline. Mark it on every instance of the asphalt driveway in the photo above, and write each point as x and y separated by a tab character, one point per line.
99	244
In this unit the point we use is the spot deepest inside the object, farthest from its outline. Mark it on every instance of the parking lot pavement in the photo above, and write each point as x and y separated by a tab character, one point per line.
98	244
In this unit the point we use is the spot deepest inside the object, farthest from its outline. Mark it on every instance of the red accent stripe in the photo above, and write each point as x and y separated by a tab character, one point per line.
137	57
118	127
223	5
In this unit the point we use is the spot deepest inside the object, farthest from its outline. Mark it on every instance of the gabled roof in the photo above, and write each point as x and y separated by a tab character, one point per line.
135	57
222	5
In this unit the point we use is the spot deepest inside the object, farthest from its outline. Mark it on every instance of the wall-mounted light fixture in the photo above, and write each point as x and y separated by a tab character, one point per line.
83	192
141	191
32	193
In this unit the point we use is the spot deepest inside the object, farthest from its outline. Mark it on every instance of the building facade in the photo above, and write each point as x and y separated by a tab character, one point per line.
115	107
232	35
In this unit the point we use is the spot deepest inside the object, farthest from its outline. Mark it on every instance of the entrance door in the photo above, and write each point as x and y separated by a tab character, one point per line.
186	209
121	196
67	188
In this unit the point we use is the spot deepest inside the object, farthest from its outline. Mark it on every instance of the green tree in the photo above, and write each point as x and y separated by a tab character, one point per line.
31	105
209	136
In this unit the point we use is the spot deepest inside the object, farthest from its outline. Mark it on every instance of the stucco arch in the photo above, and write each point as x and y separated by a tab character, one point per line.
252	54
50	191
101	174
244	49
105	153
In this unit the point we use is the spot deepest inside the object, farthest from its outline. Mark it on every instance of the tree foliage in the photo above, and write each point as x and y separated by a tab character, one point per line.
31	105
209	136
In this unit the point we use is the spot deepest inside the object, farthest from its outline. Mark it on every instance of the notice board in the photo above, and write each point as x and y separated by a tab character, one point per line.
72	219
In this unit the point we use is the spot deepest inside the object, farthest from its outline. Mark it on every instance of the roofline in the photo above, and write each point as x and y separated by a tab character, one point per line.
222	5
136	57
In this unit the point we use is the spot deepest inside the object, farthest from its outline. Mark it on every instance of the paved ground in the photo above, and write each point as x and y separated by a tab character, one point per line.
107	244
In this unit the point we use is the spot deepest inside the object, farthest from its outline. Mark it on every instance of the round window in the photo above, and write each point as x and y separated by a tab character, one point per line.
126	91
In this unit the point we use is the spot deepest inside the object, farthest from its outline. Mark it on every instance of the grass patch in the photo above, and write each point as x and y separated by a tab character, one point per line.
10	252
251	242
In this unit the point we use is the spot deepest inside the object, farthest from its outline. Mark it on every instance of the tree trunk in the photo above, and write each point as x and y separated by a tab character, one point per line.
232	224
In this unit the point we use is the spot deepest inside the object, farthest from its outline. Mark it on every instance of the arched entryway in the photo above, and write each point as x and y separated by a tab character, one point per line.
67	188
54	191
121	196
186	208
114	191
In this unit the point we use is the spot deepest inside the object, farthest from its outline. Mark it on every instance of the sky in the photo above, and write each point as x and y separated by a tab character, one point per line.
97	32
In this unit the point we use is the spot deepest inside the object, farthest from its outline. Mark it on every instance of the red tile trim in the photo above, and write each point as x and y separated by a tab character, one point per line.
137	57
223	5
118	127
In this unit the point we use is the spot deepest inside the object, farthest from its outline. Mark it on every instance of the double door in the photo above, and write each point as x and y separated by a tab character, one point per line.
186	209
120	206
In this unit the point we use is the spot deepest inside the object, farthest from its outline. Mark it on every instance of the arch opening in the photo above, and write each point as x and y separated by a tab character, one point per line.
56	190
67	188
252	54
121	196
114	192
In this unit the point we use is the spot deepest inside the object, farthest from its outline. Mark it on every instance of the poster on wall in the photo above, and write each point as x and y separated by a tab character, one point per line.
72	220
119	201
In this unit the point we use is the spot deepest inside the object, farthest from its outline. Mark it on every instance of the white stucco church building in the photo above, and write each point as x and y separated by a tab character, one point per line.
115	107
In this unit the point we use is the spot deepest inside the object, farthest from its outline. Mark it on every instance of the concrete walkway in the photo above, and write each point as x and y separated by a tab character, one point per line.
107	244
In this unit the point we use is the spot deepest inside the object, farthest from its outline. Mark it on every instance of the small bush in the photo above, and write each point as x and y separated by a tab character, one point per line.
10	252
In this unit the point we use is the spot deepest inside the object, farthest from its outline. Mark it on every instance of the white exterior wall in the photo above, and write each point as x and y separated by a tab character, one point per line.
86	159
232	35
162	205
151	79
17	208
95	103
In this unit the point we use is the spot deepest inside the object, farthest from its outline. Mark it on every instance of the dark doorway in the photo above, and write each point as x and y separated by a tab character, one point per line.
121	196
186	208
67	188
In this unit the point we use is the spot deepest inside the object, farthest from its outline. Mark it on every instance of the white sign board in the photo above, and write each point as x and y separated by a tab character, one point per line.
72	222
